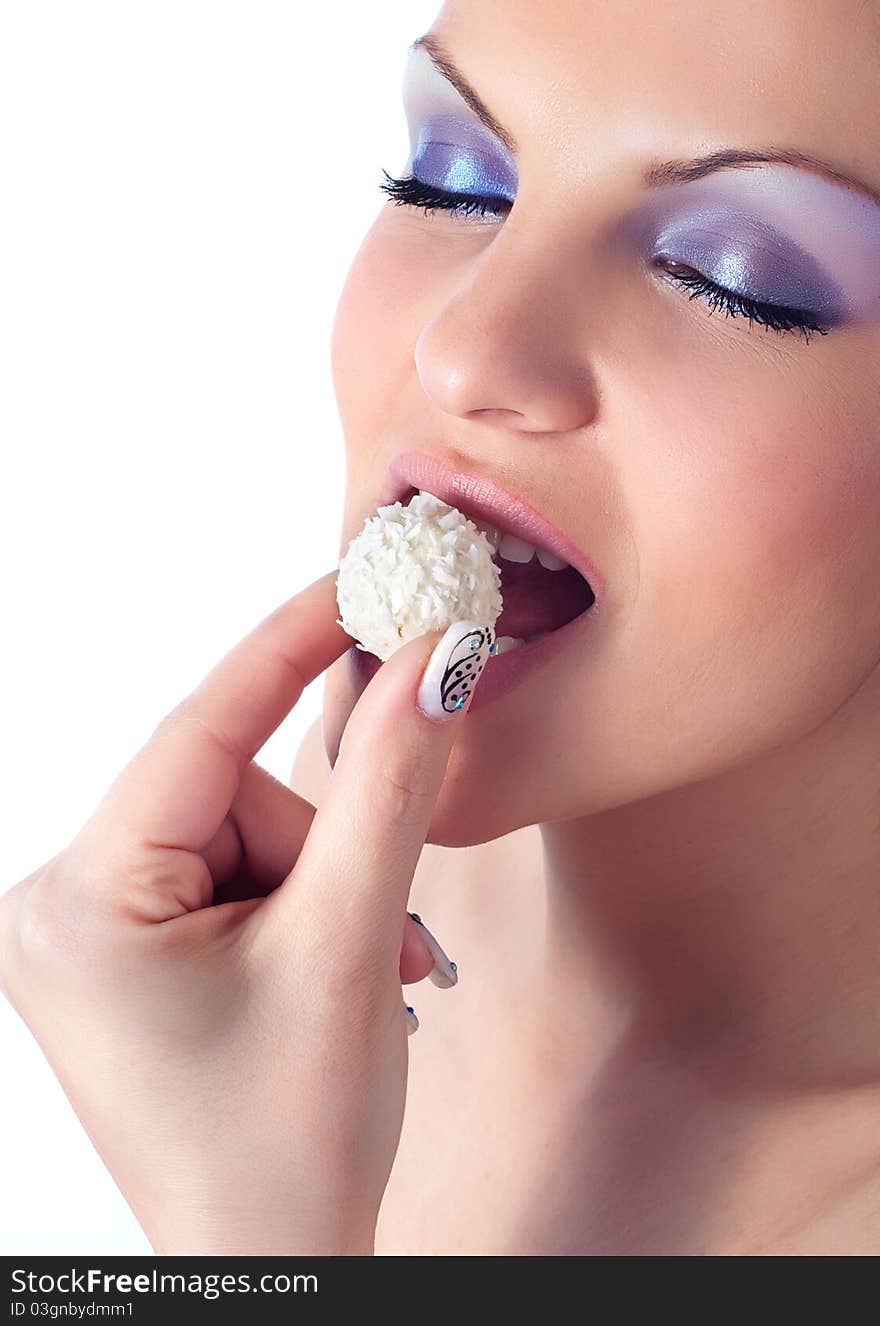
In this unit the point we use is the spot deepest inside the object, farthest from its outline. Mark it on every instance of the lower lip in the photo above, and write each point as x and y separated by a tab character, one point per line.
504	671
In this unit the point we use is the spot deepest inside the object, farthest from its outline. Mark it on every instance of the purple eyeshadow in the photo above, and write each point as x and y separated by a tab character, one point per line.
776	234
450	154
753	259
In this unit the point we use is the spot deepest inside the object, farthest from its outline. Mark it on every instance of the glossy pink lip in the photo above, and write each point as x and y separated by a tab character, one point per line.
478	497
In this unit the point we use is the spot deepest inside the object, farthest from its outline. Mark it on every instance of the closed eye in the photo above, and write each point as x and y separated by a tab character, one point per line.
413	192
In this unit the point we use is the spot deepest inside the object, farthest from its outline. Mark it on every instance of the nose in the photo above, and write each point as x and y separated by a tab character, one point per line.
505	346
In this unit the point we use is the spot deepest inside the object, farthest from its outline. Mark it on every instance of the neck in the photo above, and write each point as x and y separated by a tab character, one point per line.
733	924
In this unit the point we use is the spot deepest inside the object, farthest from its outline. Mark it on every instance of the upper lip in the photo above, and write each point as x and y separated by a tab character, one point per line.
476	496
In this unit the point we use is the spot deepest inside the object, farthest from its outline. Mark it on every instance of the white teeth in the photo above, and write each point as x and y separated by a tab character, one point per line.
491	533
513	549
505	644
550	560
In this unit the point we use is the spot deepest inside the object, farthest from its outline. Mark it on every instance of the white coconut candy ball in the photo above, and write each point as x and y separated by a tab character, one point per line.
414	569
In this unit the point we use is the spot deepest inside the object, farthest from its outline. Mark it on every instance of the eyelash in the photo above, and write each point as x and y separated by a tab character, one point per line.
413	192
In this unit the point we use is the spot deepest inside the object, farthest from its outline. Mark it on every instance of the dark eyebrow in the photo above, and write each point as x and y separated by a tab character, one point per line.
658	172
678	172
450	71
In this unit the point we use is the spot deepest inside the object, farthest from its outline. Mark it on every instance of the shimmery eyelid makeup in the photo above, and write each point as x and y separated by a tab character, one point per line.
740	253
451	148
440	156
772	233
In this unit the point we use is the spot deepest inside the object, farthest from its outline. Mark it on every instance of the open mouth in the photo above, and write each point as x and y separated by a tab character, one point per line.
541	592
549	586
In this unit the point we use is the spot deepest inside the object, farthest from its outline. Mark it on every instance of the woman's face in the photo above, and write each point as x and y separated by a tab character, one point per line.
723	476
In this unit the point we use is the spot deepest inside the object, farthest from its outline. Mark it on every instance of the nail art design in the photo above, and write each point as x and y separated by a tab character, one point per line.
454	668
412	1022
444	973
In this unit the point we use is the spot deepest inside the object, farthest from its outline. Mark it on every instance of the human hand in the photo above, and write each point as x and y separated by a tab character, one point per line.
213	968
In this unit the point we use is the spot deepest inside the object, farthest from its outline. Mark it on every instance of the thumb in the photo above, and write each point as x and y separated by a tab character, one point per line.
366	837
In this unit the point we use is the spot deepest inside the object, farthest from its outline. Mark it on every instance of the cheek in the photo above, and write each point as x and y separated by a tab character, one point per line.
374	333
758	545
393	283
369	368
360	335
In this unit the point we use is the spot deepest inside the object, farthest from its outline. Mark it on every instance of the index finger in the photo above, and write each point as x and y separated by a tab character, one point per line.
178	788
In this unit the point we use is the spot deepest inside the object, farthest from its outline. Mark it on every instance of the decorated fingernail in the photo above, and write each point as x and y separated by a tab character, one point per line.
454	669
412	1022
444	973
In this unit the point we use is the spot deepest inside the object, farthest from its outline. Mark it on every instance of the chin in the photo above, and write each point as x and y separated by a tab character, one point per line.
469	810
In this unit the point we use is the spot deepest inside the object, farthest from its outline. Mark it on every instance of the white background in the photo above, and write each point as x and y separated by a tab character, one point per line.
184	185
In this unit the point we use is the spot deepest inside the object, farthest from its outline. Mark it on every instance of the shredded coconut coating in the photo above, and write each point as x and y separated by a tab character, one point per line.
414	569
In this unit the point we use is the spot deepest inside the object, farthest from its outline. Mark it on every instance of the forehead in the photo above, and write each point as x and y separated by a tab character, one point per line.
603	85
